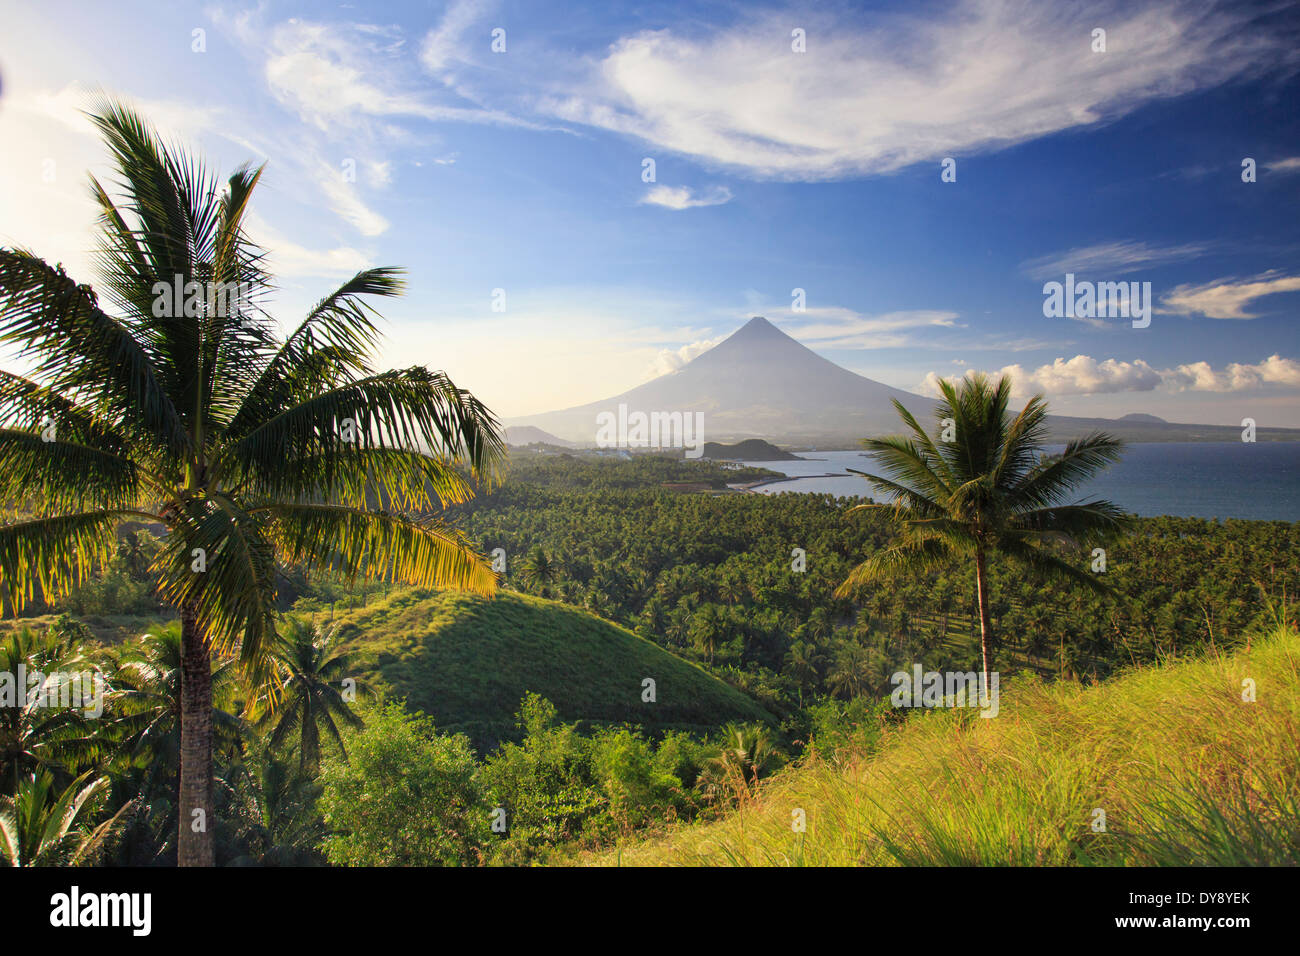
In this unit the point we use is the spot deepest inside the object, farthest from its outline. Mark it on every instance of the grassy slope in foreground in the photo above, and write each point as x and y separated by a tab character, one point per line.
467	662
1187	773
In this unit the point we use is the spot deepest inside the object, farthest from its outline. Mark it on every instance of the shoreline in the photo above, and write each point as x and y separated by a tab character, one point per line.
749	486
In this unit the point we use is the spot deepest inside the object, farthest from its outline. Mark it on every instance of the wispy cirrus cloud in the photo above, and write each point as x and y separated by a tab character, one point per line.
835	327
294	260
1227	298
894	89
358	83
1111	258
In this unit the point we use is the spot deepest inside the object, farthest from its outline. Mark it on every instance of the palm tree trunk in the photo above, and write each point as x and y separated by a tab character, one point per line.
194	842
982	592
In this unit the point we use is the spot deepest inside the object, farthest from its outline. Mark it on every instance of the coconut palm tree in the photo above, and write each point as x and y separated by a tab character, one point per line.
539	571
167	394
854	670
33	735
992	489
312	672
42	826
746	752
145	703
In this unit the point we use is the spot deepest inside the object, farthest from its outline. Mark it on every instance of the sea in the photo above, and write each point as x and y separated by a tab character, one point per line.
1257	481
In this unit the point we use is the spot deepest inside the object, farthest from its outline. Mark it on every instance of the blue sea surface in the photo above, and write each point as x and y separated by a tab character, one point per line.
1250	480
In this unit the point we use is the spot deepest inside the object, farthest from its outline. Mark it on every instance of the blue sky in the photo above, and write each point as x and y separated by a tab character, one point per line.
396	135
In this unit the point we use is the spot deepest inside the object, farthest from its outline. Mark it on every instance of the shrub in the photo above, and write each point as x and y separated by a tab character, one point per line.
405	796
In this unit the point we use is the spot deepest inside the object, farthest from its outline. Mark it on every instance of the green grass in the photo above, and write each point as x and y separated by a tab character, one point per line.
1186	772
467	662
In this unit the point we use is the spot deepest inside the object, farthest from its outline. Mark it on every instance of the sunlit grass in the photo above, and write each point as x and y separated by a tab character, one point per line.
1186	772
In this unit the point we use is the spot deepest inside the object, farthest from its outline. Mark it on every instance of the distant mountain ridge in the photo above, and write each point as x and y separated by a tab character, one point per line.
529	435
761	382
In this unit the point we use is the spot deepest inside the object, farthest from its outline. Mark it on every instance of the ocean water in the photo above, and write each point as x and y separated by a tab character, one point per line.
1258	481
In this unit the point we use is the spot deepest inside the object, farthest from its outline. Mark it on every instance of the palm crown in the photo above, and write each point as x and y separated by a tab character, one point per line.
990	488
193	412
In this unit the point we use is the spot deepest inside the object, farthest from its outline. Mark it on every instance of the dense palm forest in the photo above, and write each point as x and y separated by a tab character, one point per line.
712	577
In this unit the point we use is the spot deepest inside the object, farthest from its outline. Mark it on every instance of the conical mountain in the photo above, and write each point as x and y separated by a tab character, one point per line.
757	382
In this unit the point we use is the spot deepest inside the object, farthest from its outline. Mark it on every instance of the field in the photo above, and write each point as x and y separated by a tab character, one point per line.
1184	769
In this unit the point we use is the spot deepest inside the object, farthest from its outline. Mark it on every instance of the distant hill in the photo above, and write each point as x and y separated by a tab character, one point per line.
1143	418
528	435
751	449
760	381
467	662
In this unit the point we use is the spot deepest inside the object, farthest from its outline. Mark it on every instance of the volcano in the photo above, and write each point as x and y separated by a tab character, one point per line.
758	381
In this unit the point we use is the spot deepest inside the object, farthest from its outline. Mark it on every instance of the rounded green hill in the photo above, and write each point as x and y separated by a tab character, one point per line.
468	661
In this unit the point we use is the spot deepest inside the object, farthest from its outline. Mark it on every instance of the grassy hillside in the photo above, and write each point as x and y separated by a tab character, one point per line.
1186	772
467	662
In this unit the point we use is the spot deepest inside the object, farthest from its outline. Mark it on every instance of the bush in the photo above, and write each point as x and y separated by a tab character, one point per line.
406	796
557	786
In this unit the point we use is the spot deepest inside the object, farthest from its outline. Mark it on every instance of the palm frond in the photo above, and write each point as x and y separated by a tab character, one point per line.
410	409
54	554
1054	477
82	352
914	556
219	561
340	328
64	476
357	543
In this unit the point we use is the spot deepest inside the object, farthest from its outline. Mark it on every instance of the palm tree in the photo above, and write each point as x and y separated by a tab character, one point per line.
854	670
707	630
991	489
803	662
312	671
145	704
41	826
34	736
192	412
747	752
539	571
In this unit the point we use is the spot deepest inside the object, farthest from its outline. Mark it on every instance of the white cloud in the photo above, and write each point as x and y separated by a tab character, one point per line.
334	75
1236	377
683	197
1227	298
1289	165
1109	258
1084	375
670	360
874	97
355	84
